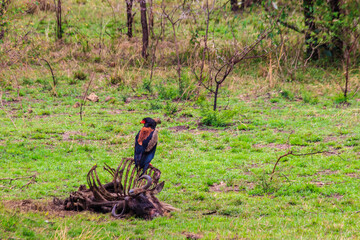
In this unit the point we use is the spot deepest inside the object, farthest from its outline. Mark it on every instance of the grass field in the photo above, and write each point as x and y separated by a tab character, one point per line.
217	167
221	171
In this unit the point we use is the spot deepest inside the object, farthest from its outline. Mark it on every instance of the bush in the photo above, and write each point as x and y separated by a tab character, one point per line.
167	92
216	118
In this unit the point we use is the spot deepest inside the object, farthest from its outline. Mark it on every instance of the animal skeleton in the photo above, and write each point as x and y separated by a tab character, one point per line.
126	193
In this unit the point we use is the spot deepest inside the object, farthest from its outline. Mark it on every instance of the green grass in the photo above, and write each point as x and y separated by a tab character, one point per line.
310	196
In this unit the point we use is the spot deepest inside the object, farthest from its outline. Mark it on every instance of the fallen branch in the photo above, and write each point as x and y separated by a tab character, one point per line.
32	180
290	152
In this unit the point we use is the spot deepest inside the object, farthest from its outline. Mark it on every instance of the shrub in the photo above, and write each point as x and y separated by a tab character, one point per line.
216	118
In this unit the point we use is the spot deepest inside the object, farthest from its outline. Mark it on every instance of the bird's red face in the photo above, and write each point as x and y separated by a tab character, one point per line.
142	121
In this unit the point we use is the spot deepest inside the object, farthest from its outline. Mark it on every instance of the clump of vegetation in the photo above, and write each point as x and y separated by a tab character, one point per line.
80	75
115	80
217	118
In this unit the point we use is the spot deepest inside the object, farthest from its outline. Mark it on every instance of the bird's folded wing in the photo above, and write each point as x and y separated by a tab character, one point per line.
153	138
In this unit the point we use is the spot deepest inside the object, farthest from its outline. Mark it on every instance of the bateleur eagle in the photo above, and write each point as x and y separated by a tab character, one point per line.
145	144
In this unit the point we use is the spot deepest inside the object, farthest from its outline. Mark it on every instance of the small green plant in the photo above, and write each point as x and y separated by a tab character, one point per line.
147	85
170	109
115	80
155	105
167	92
287	94
97	59
216	118
309	98
274	100
340	99
80	75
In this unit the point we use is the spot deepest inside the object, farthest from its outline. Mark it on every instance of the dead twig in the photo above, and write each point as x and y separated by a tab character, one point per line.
53	76
290	152
210	213
32	180
83	102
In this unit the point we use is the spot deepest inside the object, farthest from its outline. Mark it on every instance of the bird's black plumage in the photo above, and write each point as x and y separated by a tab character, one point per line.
145	144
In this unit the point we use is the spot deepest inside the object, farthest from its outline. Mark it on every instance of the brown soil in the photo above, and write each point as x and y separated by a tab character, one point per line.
44	206
178	128
272	145
327	172
116	111
222	187
353	175
189	235
337	196
66	135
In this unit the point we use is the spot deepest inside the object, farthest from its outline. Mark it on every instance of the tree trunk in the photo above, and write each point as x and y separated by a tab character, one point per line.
145	30
337	44
310	25
246	3
234	5
130	17
216	95
59	30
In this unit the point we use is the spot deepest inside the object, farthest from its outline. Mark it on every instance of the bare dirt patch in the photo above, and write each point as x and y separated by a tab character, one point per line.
337	196
116	111
353	175
66	135
272	145
320	184
45	206
178	128
222	187
327	172
190	235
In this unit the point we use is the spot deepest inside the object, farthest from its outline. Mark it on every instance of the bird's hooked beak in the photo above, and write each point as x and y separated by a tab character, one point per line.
142	121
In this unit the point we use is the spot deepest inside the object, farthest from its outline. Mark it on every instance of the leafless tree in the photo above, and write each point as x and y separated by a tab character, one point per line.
220	67
170	16
350	47
156	42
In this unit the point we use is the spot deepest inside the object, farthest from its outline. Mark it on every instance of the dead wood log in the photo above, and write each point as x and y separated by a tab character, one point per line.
126	195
